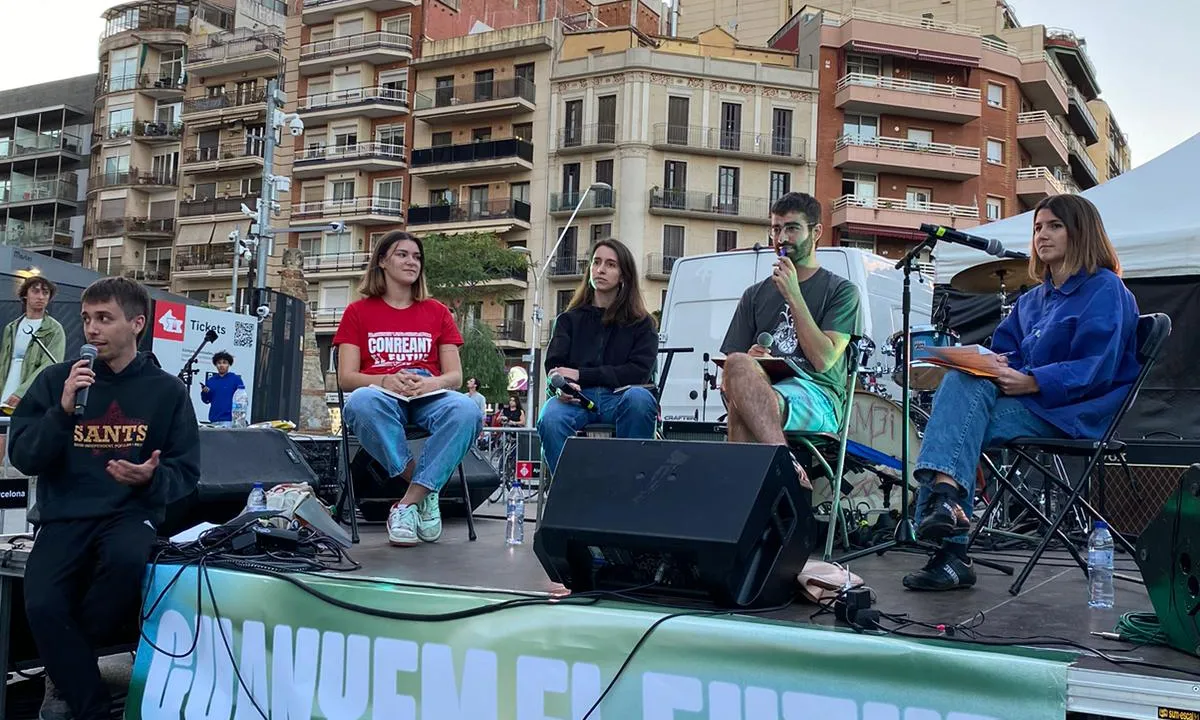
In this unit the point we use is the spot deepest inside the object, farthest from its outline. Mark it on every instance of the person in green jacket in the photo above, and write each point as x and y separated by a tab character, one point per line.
26	341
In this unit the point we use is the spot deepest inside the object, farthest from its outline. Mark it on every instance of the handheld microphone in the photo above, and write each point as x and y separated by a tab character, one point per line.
991	246
766	339
87	352
558	382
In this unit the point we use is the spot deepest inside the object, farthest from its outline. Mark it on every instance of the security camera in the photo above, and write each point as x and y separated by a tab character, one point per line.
233	236
337	226
296	126
263	311
248	212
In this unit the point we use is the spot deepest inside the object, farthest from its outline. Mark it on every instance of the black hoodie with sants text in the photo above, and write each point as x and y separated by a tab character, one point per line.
129	415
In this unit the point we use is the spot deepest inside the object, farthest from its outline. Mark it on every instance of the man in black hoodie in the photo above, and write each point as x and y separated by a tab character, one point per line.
105	473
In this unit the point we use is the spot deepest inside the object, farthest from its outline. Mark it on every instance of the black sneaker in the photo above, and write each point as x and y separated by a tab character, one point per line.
944	571
944	517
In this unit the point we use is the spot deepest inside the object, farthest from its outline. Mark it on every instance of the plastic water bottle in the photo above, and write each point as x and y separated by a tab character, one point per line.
514	530
240	402
258	498
1100	566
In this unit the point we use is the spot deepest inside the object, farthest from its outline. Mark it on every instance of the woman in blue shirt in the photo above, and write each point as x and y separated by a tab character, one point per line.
1070	348
217	391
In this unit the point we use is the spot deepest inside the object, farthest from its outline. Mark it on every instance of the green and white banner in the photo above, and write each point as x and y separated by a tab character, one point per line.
302	658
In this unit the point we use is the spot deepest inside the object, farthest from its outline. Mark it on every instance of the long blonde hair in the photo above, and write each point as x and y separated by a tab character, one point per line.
1088	246
374	282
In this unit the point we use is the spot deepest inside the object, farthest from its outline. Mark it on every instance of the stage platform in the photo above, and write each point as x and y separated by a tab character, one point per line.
433	578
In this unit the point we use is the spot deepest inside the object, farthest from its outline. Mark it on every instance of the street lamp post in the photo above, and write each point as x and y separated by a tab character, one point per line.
539	273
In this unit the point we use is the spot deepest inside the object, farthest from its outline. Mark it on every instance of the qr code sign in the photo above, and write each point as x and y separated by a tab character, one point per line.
243	334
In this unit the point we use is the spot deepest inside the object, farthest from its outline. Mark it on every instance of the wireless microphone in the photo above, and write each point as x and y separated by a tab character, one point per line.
87	352
558	382
766	340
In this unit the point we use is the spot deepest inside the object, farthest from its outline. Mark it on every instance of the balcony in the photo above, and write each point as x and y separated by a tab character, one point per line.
474	101
365	156
157	132
138	178
28	191
600	201
27	147
486	157
205	261
227	156
315	12
1043	83
160	87
332	264
511	332
235	52
151	21
707	206
224	109
906	157
148	276
1038	133
873	94
1080	118
586	138
659	266
216	206
376	48
1071	52
326	317
721	143
134	227
499	216
895	216
1035	183
567	267
373	102
1082	167
363	210
38	235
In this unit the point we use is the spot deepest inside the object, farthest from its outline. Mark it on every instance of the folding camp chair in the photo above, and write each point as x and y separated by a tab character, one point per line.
1152	333
346	496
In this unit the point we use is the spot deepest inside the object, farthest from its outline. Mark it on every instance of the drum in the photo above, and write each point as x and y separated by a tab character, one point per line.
874	452
922	376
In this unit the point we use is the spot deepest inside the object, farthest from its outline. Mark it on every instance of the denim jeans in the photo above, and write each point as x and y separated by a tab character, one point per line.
969	416
451	419
634	412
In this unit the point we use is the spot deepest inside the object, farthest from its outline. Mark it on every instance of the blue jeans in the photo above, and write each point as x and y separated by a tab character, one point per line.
451	419
634	412
969	416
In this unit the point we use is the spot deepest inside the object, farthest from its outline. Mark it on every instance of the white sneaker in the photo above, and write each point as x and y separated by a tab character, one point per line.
429	518
402	525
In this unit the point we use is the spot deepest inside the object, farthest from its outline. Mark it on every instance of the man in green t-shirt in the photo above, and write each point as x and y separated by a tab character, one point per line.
810	315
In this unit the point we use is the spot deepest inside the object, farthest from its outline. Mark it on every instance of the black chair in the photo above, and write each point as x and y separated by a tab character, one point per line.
1152	333
346	496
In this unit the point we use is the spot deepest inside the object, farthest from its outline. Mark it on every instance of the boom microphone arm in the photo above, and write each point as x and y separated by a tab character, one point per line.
188	371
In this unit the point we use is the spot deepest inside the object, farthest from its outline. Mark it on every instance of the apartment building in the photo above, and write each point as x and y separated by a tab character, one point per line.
1111	154
233	52
178	140
45	136
351	78
696	137
925	118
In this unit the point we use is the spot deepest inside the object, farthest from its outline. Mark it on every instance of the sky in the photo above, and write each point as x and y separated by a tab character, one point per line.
1145	55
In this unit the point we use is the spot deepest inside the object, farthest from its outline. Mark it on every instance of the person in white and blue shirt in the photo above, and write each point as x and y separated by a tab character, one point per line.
217	391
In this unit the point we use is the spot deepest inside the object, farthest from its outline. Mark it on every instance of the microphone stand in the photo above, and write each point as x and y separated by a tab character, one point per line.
710	382
188	371
905	537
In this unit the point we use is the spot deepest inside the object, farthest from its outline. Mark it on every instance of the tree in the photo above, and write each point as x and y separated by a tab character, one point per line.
482	360
459	268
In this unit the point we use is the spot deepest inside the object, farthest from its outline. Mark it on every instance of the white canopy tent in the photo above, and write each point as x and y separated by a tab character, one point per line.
1146	212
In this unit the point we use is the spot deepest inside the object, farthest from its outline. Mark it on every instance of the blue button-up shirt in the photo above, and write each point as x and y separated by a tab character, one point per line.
1079	342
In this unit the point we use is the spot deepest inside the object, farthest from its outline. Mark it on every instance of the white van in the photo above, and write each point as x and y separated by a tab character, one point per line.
704	291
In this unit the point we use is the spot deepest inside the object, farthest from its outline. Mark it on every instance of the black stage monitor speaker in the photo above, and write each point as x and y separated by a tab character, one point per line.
1168	554
694	522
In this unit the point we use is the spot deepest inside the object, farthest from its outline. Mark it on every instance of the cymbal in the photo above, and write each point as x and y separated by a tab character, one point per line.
988	277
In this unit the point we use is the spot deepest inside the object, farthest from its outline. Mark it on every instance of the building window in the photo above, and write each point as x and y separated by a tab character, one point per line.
600	231
731	126
859	185
389	195
565	258
481	134
523	131
524	78
391	138
781	132
606	119
672	247
562	299
484	85
728	190
443	91
310	245
860	127
726	240
995	95
863	64
675	184
573	123
570	184
995	152
399	26
342	190
916	198
677	120
995	208
519	192
441	139
781	184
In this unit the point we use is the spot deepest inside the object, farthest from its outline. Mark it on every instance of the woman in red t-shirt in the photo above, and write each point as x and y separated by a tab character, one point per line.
398	358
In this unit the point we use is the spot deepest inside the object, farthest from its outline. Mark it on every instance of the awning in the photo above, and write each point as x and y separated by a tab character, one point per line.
884	231
882	49
931	56
202	233
948	58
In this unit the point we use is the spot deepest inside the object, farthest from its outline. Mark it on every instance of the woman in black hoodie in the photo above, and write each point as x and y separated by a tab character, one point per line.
604	346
